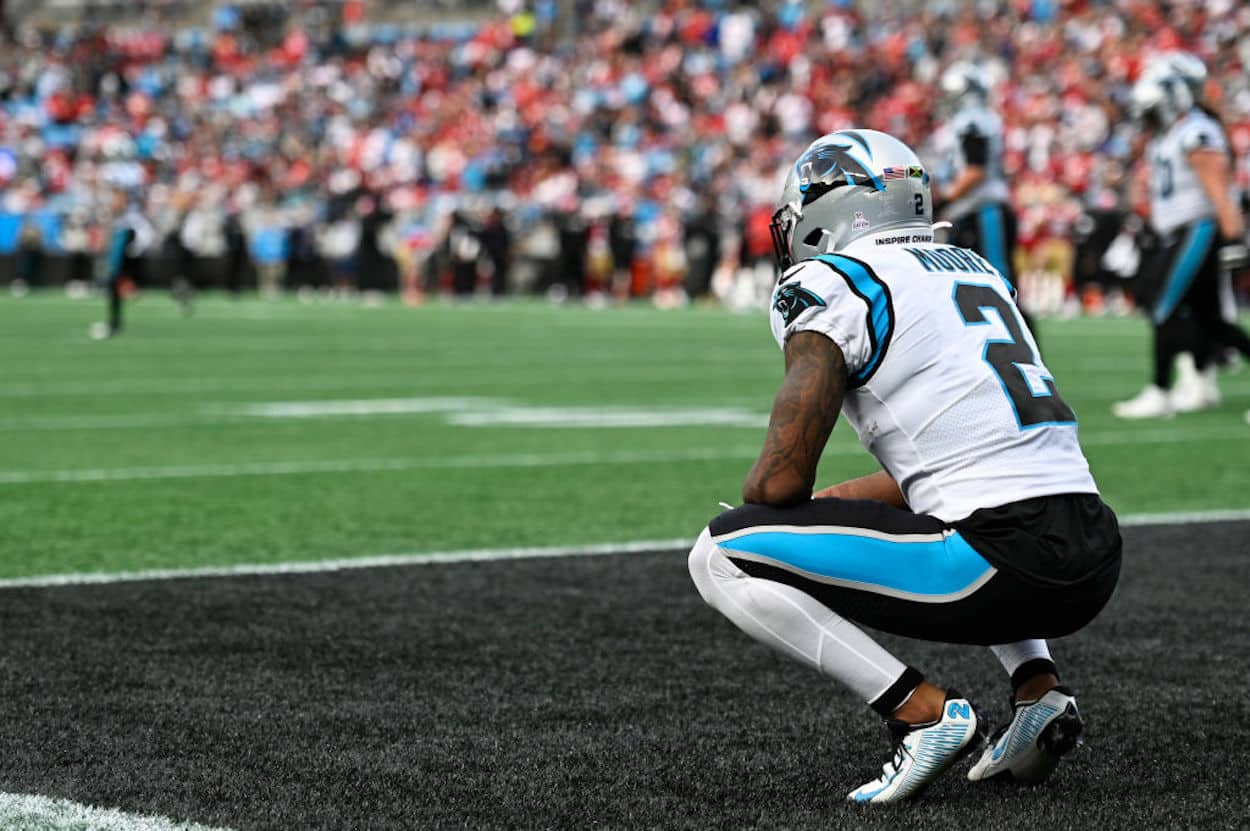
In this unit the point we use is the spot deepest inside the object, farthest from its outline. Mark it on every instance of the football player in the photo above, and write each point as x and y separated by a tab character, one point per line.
1195	213
974	192
129	237
984	525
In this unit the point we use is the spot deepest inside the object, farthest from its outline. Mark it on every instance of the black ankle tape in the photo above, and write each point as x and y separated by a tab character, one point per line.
893	698
1031	669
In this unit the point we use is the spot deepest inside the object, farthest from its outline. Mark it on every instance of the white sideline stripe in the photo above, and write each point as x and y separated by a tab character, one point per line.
528	460
1187	517
40	813
345	564
482	555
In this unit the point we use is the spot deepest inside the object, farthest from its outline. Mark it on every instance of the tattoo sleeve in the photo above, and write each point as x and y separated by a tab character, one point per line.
803	416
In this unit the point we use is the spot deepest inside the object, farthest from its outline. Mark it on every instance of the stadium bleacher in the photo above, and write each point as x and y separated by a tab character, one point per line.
299	117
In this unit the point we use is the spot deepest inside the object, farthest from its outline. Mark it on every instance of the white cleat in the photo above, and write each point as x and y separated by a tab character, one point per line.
1196	393
1193	391
1211	387
1028	748
923	752
1152	402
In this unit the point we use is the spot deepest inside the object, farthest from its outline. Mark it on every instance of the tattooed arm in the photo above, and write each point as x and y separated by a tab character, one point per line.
803	416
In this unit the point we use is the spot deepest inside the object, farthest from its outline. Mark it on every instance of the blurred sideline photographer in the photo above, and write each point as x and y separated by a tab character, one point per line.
984	525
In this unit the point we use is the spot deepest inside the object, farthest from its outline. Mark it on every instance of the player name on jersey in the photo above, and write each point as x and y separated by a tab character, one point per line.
950	258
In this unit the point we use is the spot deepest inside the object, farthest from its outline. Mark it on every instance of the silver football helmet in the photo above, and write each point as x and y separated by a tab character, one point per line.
847	185
1185	65
1161	95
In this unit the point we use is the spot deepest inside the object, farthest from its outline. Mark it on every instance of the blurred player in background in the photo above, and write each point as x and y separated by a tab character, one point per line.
1194	210
984	525
974	196
130	235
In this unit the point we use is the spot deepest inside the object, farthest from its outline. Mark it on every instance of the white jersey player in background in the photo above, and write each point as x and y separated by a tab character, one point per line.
984	525
1194	210
974	195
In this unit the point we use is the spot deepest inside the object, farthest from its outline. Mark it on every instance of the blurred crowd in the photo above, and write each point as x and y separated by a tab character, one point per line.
583	147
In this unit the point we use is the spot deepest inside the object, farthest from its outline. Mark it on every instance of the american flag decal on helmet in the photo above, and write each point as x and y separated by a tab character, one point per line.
894	173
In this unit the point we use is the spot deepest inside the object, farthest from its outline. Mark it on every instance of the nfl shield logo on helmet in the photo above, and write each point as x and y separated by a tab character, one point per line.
860	223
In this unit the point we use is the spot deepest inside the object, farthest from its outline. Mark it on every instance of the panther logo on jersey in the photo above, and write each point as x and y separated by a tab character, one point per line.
792	299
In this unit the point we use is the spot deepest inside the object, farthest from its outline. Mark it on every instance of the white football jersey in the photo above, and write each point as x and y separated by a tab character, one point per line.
1176	195
950	146
947	389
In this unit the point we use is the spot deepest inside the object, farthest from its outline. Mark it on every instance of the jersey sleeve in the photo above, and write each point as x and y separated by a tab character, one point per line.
974	132
842	300
1202	134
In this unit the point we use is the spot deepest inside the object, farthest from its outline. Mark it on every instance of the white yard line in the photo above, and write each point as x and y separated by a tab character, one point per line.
25	812
511	460
1236	432
482	415
119	421
365	407
485	555
608	417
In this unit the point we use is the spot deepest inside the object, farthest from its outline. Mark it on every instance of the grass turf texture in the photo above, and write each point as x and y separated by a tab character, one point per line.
591	692
164	395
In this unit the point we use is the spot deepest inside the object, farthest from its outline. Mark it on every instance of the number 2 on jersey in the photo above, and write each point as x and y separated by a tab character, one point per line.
1009	357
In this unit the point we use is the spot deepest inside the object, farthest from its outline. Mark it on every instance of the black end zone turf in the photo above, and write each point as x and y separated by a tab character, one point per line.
566	693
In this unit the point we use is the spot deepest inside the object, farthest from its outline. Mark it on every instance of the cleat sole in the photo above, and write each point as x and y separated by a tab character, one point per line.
1063	735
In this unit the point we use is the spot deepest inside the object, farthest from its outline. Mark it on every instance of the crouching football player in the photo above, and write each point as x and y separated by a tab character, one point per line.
984	526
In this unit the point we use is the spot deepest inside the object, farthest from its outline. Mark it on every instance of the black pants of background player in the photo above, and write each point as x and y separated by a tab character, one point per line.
1187	314
116	302
463	277
574	249
1094	233
133	270
991	232
1047	566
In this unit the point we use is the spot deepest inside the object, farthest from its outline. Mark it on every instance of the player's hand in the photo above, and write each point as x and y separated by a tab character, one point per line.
1233	255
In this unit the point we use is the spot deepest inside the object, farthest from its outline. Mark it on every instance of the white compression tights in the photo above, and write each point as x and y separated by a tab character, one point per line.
793	623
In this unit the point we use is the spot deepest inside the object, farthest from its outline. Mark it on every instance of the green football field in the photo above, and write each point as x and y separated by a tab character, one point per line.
262	432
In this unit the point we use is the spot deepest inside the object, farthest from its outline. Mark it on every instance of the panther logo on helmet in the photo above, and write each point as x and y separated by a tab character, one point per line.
820	170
